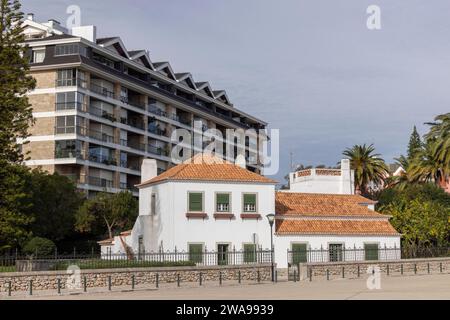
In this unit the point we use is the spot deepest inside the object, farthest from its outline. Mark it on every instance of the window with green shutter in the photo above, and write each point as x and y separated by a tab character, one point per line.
249	202
195	202
223	202
299	253
249	253
371	251
196	253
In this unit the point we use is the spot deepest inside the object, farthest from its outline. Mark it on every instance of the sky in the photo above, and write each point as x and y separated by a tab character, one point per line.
310	68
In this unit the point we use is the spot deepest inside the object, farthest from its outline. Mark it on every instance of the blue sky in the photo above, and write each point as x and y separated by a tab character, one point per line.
308	67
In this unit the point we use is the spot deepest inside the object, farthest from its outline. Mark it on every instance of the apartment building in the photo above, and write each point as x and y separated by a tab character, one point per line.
100	109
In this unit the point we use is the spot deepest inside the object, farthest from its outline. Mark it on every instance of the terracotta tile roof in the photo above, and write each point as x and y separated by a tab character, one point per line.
335	227
314	204
204	167
108	241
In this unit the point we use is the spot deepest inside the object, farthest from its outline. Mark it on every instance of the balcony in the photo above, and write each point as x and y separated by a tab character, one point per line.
160	151
99	182
68	154
101	136
102	91
157	131
64	106
102	113
109	161
72	82
70	130
133	145
133	103
133	123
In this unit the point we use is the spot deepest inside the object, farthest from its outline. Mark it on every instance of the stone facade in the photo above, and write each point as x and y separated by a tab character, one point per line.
43	127
42	102
44	79
350	269
39	150
48	280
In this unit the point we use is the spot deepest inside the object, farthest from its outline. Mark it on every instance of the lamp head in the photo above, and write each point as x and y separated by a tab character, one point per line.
271	218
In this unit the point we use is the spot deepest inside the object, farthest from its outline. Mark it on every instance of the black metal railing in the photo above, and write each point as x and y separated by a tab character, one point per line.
133	123
157	131
102	159
102	113
361	254
160	151
101	136
99	182
139	259
68	154
102	91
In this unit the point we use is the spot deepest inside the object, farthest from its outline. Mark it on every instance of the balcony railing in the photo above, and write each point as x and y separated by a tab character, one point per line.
70	130
70	82
102	159
68	154
133	123
99	182
63	106
101	136
135	104
157	131
102	91
102	113
136	145
160	151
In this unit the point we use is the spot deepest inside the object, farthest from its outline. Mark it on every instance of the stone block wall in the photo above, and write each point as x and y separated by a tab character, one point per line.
48	280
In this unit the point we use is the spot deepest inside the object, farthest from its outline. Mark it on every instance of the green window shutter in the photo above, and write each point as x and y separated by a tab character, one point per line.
250	199
196	253
299	253
249	253
223	198
371	251
195	202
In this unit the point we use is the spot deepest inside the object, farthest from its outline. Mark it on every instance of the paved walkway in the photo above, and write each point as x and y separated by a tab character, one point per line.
393	287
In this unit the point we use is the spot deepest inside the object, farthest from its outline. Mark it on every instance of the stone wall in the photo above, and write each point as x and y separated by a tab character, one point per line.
48	280
397	267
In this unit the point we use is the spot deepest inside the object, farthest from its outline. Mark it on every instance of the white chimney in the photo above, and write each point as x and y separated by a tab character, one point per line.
86	32
347	178
149	170
30	16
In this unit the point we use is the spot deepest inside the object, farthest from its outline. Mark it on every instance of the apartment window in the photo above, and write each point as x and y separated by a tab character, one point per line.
195	252
250	202
195	201
38	55
65	124
153	204
222	202
69	100
249	252
67	149
69	49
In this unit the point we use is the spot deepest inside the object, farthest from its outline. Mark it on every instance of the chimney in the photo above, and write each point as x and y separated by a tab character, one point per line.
53	22
86	32
347	178
345	164
149	170
30	16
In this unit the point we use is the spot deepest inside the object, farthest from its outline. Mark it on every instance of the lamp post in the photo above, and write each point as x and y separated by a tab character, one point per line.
271	219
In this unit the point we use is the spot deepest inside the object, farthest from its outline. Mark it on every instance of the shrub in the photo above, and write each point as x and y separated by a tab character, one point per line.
39	246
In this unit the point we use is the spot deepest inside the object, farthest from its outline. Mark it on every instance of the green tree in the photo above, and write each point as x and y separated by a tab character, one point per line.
107	213
414	145
39	247
15	205
421	213
15	82
55	202
369	167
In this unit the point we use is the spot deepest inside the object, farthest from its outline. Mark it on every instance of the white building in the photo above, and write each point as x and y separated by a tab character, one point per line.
214	205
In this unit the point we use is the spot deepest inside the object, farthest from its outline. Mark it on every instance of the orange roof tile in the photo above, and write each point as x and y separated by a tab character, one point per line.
314	204
335	227
204	167
106	241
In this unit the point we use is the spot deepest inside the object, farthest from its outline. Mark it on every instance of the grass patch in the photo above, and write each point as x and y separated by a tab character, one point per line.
7	269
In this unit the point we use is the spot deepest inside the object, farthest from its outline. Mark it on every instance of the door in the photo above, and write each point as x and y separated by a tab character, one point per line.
335	252
371	251
222	254
141	248
299	253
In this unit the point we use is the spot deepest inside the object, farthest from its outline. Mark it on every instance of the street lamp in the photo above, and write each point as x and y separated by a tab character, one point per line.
271	219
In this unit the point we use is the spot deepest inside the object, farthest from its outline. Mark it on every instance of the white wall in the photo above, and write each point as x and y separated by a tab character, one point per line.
170	228
283	244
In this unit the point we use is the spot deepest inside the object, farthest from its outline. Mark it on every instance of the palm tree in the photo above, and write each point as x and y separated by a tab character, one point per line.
369	167
404	179
439	137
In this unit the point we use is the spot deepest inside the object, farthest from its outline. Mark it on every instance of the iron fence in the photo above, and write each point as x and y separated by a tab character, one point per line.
12	263
341	254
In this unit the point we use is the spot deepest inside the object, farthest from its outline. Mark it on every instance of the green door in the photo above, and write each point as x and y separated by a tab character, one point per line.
371	251
299	251
249	253
222	254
